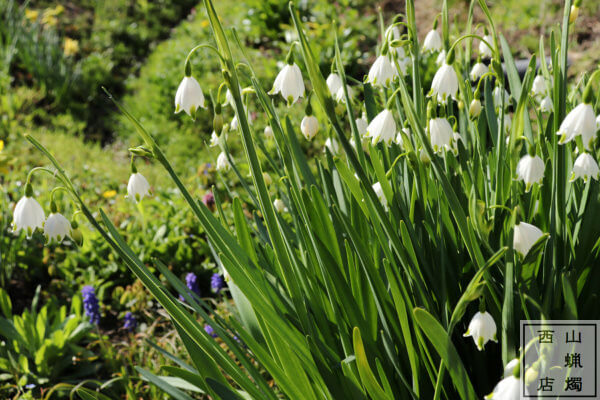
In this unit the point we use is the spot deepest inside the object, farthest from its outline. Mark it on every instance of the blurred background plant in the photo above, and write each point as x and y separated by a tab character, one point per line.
55	56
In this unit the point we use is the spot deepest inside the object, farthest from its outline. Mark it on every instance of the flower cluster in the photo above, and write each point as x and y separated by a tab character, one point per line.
91	304
129	322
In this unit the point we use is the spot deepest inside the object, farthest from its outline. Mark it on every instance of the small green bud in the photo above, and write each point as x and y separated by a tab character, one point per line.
218	123
141	151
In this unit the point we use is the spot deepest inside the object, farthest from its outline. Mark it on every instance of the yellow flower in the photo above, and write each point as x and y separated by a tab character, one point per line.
1	145
204	23
109	193
49	17
31	15
71	47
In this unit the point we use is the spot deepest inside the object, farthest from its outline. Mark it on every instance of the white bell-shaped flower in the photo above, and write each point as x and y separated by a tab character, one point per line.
289	83
309	126
399	140
530	170
585	167
507	389
382	128
137	187
524	237
482	329
478	70
28	215
379	192
444	84
381	72
546	105
497	94
440	134
223	162
580	121
214	139
441	58
56	227
334	83
432	42
268	132
340	96
598	123
279	205
509	369
403	64
362	126
333	146
189	96
484	49
475	108
539	87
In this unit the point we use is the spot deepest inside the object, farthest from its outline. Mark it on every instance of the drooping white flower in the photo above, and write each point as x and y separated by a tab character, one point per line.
56	227
539	87
440	134
432	42
507	389
333	146
546	105
478	71
382	128
444	84
580	121
497	94
530	170
475	108
482	329
289	83
361	126
28	215
137	187
403	64
189	96
268	132
598	123
509	369
279	205
234	124
525	236
399	140
334	83
484	50
223	162
214	139
381	72
441	58
340	96
309	126
585	167
379	192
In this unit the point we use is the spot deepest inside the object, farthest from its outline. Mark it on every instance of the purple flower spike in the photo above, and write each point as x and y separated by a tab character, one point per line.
217	282
91	304
191	281
210	330
130	322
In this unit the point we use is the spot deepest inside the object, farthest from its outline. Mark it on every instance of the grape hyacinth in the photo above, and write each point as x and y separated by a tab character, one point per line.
91	304
191	281
210	330
217	282
129	322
